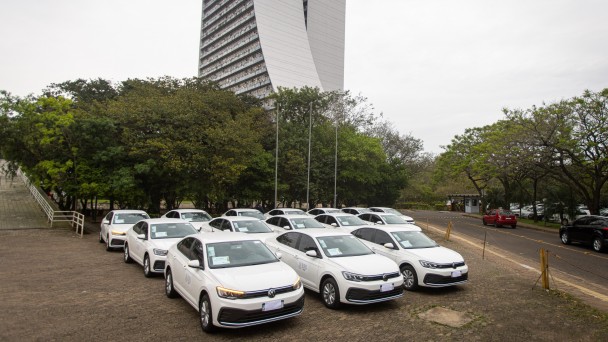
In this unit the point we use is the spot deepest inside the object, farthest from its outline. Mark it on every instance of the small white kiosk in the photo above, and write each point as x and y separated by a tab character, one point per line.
469	203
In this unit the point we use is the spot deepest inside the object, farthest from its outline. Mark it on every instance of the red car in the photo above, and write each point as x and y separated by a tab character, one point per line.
500	217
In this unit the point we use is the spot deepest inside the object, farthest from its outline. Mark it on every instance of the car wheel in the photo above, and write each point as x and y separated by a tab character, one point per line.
484	222
100	237
147	270
410	279
330	293
127	257
565	238
204	310
169	289
598	244
108	248
514	226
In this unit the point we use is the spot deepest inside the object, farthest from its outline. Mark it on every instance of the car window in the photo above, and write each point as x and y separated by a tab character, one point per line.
226	225
305	222
366	234
375	218
239	253
184	247
350	221
382	237
306	244
330	220
365	217
315	212
321	218
197	252
342	246
394	219
582	221
598	221
274	212
217	223
137	228
195	216
251	226
129	218
409	240
252	213
171	230
230	213
283	222
273	220
349	211
376	210
289	239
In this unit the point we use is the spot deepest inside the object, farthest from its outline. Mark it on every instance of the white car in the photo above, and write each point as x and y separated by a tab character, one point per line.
383	218
319	211
115	224
346	222
409	219
339	266
195	216
355	210
282	223
148	241
240	224
244	212
284	211
232	280
421	260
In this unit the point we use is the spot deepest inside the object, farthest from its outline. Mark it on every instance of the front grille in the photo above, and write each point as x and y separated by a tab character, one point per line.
435	279
159	265
264	293
238	317
452	265
363	295
116	242
386	276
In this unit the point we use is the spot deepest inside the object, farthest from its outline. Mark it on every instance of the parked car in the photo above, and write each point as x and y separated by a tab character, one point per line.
148	240
589	230
346	222
356	210
319	211
232	280
392	211
285	211
421	260
499	217
383	218
195	216
245	212
282	223
339	266
114	226
239	224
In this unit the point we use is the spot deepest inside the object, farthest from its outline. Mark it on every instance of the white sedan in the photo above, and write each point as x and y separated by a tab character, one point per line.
148	241
115	224
232	280
249	212
393	211
195	216
239	224
346	222
339	266
282	223
421	260
383	218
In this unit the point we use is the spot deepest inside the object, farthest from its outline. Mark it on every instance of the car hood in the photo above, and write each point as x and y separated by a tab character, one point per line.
262	236
256	277
164	243
369	264
121	227
440	255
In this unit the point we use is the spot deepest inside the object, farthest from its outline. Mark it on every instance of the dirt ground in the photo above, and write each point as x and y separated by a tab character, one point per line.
58	287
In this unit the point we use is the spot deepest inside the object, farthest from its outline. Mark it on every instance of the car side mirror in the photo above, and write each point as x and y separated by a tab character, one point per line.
334	224
105	221
389	245
141	236
312	253
287	227
195	264
378	222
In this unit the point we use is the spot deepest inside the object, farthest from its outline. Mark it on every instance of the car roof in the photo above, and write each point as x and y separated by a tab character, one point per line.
237	218
188	210
223	236
243	209
129	211
320	232
337	214
289	217
397	228
325	208
383	208
164	220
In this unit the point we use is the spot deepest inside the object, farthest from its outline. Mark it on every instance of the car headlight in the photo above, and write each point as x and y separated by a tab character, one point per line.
116	232
297	284
160	252
229	294
428	264
353	276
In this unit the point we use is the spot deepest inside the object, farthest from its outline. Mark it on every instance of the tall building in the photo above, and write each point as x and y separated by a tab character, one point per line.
255	46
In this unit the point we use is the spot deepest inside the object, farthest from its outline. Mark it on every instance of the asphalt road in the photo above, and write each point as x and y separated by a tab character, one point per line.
569	265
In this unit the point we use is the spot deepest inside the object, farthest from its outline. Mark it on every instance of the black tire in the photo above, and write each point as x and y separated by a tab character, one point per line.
108	248
147	267
100	237
410	278
484	222
126	257
330	293
205	314
169	289
598	244
496	225
514	226
564	237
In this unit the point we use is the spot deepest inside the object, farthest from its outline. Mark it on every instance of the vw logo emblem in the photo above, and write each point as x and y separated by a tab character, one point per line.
385	277
271	293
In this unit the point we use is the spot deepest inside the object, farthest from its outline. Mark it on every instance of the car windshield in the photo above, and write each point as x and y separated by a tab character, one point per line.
196	217
505	212
238	253
251	226
294	212
306	222
394	219
410	240
171	230
330	211
342	246
255	214
350	220
392	211
129	218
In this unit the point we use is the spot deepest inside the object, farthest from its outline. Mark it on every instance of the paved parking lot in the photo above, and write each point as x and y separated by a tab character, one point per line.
56	286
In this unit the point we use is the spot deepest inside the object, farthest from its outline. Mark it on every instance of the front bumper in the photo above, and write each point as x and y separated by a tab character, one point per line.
446	277
370	291
117	241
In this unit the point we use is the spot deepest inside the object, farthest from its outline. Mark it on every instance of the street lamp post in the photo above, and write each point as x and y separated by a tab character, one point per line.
276	160
309	140
336	168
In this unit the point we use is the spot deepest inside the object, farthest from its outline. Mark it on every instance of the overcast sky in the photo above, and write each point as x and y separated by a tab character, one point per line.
432	67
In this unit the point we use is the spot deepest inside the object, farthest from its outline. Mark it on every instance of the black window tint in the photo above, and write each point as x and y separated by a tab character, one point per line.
184	247
332	220
272	220
109	216
283	222
321	218
366	234
231	213
307	244
289	239
382	237
197	252
365	217
216	223
376	210
226	225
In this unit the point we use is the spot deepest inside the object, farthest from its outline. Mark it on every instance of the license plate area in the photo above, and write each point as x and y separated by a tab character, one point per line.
273	305
387	287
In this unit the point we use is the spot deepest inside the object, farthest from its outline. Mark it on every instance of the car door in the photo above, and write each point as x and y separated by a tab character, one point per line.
105	223
491	217
287	244
137	245
285	224
381	238
308	267
577	228
179	263
194	277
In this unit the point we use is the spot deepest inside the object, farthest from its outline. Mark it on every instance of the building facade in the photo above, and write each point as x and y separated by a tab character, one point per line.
255	46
